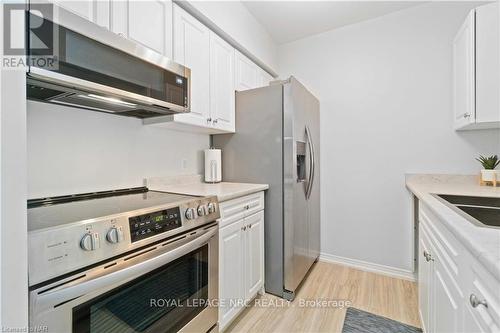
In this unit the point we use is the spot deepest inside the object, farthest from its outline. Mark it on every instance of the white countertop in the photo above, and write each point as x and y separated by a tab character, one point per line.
482	242
193	185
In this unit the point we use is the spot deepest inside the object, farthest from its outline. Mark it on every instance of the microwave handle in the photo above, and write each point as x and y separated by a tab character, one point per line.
67	293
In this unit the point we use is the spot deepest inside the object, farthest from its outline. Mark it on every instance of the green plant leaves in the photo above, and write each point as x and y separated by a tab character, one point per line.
488	163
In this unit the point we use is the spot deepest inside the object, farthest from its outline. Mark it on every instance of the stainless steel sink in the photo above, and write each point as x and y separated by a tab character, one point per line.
483	211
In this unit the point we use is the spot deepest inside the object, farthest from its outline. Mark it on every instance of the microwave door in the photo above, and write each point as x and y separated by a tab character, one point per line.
94	62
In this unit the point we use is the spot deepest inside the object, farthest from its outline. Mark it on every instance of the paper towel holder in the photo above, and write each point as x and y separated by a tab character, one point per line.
213	167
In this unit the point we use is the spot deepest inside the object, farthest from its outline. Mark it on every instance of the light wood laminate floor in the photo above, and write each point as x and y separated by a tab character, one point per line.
386	296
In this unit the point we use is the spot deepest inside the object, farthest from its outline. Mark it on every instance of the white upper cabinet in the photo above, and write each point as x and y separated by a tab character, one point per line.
263	78
192	49
97	11
83	8
245	73
487	64
146	22
217	69
222	104
476	72
463	73
211	60
150	24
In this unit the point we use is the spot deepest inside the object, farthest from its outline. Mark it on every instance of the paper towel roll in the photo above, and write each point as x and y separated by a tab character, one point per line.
213	166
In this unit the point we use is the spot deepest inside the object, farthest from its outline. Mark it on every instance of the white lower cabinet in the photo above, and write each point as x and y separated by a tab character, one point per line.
448	277
231	276
253	244
424	281
241	264
447	301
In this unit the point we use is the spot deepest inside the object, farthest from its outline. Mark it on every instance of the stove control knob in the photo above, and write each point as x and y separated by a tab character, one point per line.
190	213
202	210
115	235
90	241
212	208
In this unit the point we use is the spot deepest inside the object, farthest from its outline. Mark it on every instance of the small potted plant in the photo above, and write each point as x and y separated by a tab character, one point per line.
488	174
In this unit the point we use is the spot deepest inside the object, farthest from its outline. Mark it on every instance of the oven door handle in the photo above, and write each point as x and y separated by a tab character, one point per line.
105	280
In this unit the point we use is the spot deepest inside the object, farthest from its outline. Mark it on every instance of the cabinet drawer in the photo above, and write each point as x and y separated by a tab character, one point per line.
236	209
484	287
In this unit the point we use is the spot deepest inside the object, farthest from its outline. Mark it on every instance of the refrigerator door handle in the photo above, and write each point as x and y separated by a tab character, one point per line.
311	163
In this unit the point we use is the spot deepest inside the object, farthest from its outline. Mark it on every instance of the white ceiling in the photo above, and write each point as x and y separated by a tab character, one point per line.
287	21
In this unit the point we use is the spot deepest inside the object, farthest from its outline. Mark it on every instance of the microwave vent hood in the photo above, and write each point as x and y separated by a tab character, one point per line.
101	71
56	94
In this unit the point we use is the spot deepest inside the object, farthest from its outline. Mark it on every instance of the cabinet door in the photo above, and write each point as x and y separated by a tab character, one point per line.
222	93
83	8
464	74
424	280
230	271
150	24
191	49
97	11
263	78
254	257
246	73
471	322
102	13
118	17
446	308
487	61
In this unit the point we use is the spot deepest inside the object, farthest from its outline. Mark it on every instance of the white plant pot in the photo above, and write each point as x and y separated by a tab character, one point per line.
489	175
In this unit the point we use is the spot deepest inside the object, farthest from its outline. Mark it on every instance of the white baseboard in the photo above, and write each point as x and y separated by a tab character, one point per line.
368	266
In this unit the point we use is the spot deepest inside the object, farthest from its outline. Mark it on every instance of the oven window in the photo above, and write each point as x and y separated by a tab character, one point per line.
163	300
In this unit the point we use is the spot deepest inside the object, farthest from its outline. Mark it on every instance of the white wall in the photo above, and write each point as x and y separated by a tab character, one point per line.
385	92
73	151
235	23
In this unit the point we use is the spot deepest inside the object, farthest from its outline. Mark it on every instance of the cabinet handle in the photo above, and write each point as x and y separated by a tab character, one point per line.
209	120
466	115
244	228
427	256
247	207
215	121
475	301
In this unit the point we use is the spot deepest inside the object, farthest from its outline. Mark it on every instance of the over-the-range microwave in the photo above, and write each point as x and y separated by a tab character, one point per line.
93	68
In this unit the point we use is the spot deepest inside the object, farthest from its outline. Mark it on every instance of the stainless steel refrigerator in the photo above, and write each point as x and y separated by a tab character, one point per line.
277	143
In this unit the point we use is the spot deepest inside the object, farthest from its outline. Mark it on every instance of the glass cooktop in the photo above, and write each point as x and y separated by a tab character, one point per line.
50	212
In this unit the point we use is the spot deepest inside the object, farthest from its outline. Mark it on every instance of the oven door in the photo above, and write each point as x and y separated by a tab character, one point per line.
170	287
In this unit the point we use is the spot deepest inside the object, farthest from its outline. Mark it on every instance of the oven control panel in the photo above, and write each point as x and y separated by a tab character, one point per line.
152	224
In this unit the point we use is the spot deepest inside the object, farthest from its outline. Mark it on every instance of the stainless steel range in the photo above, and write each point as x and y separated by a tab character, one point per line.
130	260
